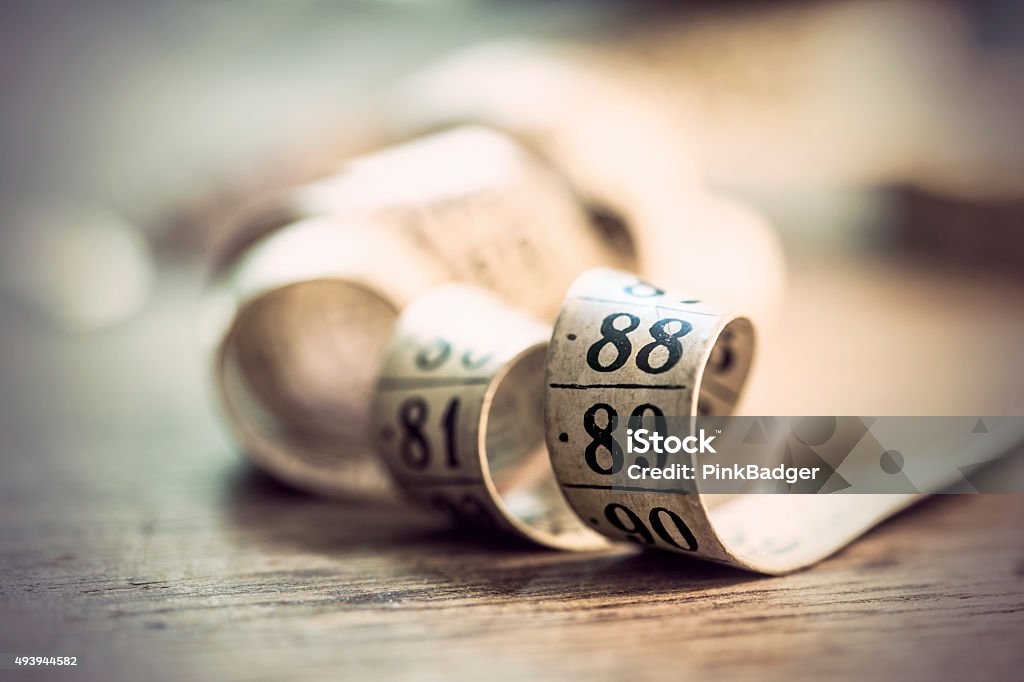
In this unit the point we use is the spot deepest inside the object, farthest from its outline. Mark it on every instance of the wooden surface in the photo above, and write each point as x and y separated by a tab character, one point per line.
133	537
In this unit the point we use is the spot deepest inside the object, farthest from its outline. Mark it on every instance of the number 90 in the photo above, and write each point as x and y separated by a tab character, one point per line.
619	514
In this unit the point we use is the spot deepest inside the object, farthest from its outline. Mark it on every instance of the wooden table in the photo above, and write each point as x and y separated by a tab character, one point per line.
133	537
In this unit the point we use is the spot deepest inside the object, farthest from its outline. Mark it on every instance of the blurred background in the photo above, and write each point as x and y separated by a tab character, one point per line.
869	132
881	141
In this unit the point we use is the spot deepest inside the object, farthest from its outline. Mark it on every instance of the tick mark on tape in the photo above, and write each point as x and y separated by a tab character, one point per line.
653	387
627	488
403	383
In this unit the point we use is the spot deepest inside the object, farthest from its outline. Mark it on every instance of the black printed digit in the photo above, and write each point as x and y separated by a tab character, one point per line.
414	447
657	516
617	338
433	355
602	438
450	423
636	530
663	339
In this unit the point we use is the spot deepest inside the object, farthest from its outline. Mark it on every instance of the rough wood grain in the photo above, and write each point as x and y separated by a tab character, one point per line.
132	537
253	581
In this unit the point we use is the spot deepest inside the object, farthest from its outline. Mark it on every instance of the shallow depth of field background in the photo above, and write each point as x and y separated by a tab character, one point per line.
130	132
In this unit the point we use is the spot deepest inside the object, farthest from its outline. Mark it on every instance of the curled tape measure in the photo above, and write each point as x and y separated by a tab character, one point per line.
624	348
459	418
309	307
471	389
